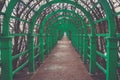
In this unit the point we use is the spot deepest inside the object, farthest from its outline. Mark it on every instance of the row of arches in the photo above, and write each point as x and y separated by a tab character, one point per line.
44	27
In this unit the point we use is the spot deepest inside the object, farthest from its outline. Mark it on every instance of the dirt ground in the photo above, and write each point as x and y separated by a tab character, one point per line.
63	63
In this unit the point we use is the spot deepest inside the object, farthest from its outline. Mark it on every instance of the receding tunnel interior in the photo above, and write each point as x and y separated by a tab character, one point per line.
31	29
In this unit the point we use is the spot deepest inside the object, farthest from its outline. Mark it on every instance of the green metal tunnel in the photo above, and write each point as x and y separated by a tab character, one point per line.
45	24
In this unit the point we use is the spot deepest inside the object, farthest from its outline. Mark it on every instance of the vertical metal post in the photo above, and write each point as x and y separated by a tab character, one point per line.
111	59
111	65
6	43
81	44
41	48
48	44
6	57
78	40
31	53
92	55
85	48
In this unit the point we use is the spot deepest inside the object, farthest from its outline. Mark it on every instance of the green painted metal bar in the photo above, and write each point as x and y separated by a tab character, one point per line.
117	13
2	13
19	55
88	47
118	35
101	68
81	42
6	57
36	56
89	56
110	17
17	18
35	47
102	35
41	48
118	64
31	53
7	16
20	68
98	21
19	35
27	6
6	43
101	54
92	55
47	46
94	6
85	48
23	35
111	43
111	58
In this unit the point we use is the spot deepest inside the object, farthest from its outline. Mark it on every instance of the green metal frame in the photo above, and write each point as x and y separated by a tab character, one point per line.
52	24
58	11
74	35
59	27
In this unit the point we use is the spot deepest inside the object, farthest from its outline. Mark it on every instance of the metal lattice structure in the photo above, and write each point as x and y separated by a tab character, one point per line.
29	30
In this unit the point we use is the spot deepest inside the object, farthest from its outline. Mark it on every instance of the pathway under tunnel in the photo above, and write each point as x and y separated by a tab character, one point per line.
63	63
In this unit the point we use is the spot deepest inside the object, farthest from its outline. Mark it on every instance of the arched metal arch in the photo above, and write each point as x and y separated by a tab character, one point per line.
54	31
77	35
55	20
57	23
60	22
75	31
58	11
42	54
87	14
62	16
84	28
104	3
